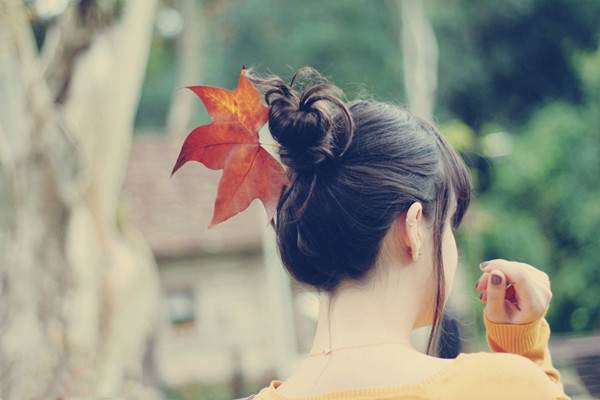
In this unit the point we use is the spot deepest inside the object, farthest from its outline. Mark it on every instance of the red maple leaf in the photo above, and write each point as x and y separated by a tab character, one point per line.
231	143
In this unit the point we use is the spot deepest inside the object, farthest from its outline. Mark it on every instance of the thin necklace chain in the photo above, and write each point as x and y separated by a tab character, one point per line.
326	352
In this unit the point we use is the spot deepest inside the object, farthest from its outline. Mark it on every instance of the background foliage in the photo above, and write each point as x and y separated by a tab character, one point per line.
518	96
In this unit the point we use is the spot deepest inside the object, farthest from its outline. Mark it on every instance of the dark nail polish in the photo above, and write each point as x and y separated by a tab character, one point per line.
495	279
481	296
476	283
483	264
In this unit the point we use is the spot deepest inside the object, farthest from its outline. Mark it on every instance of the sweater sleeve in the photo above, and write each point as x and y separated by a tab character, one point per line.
528	340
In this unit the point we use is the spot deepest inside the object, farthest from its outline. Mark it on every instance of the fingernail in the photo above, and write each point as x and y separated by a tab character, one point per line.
477	283
481	296
483	264
496	279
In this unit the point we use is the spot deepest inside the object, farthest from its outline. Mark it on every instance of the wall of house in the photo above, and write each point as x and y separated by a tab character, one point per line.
215	320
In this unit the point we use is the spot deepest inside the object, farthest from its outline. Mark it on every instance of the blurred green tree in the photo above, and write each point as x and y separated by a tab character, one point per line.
543	206
499	61
529	68
351	41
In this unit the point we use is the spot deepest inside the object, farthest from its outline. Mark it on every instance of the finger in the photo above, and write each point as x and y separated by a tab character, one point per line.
512	270
517	274
495	294
481	283
510	296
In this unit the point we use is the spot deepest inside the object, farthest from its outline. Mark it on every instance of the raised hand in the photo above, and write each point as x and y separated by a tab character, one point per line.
514	293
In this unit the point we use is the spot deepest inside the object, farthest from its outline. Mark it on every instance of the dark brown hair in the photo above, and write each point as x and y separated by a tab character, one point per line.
354	169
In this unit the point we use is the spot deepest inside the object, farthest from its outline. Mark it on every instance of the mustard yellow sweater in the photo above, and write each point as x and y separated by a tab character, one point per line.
520	367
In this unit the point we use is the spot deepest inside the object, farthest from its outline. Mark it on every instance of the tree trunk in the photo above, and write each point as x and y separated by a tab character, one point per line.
190	66
78	295
419	54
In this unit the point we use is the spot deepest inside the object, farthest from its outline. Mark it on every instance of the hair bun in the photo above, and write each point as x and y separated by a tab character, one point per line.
309	127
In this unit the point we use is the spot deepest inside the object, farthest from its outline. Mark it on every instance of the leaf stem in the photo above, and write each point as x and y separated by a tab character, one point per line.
269	144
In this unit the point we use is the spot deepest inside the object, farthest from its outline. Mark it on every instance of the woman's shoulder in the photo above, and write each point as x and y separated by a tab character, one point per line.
471	376
500	374
500	364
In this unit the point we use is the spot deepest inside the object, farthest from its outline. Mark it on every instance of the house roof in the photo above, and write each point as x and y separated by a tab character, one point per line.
173	213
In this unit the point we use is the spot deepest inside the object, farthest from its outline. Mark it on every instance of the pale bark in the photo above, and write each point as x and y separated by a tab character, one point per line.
190	66
420	57
283	329
77	295
419	54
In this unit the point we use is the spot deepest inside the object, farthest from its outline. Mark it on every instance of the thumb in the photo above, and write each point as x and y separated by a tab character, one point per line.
496	290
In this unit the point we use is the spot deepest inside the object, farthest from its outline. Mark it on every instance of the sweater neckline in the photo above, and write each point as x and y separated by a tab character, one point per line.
371	391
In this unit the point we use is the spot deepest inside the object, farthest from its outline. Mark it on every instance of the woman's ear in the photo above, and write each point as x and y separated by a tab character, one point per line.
412	238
